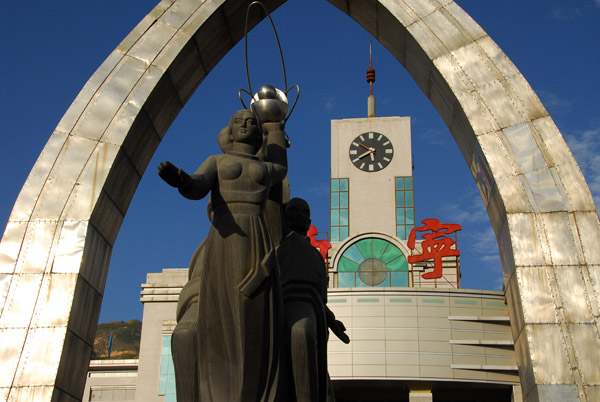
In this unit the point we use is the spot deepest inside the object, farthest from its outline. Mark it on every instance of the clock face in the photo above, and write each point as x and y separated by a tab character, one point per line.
371	152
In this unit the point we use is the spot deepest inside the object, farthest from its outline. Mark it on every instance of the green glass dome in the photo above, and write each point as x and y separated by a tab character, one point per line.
372	262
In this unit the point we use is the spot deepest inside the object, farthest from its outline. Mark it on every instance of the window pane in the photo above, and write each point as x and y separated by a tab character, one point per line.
343	184
399	183
335	185
344	199
409	183
171	384
343	217
399	198
335	217
408	197
410	216
400	216
335	233
400	232
335	200
166	346
343	232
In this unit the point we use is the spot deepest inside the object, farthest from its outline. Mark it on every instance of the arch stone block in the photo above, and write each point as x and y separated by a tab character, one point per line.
55	252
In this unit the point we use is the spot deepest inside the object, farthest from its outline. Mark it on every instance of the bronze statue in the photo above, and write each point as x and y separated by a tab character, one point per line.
304	288
239	309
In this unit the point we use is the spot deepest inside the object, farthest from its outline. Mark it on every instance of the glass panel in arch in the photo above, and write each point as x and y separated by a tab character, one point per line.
361	284
366	247
353	254
379	246
346	264
346	279
391	253
398	264
399	279
386	282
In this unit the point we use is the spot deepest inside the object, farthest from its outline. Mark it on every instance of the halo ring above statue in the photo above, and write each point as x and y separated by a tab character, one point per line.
270	104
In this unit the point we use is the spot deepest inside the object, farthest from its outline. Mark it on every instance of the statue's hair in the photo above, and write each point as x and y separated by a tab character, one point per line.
236	113
224	139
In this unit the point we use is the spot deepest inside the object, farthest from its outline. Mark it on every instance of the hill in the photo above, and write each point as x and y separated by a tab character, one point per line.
125	342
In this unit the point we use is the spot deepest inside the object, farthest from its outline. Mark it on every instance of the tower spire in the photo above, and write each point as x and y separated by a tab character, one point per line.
370	80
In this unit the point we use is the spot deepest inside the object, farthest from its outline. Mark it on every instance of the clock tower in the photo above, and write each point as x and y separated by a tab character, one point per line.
367	156
372	199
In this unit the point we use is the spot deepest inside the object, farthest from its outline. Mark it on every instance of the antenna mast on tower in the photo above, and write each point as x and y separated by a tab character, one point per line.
370	80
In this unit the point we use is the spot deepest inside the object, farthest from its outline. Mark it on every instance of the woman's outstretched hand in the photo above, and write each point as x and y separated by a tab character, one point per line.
172	175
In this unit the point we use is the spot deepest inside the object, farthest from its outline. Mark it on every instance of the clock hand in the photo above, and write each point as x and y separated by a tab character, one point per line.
366	147
372	156
365	154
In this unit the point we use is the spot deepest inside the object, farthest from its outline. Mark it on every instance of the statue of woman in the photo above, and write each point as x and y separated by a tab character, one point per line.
239	300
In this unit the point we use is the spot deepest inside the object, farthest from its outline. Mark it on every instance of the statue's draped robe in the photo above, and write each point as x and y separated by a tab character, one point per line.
239	302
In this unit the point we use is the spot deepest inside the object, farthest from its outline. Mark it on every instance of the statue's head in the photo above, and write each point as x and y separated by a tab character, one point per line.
243	127
297	215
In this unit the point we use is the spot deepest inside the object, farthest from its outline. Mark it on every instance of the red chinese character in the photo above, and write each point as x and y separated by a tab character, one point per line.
322	245
435	246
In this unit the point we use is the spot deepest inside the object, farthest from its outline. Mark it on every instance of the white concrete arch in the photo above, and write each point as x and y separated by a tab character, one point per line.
56	248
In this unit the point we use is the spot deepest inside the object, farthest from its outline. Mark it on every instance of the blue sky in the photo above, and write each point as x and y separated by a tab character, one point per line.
50	49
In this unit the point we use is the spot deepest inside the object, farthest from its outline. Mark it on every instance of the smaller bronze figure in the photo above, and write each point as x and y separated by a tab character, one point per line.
304	287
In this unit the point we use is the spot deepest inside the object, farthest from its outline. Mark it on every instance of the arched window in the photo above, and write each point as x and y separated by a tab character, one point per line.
372	262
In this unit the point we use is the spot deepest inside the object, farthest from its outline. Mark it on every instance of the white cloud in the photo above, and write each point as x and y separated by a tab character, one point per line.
498	283
330	102
469	209
555	104
560	13
435	137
